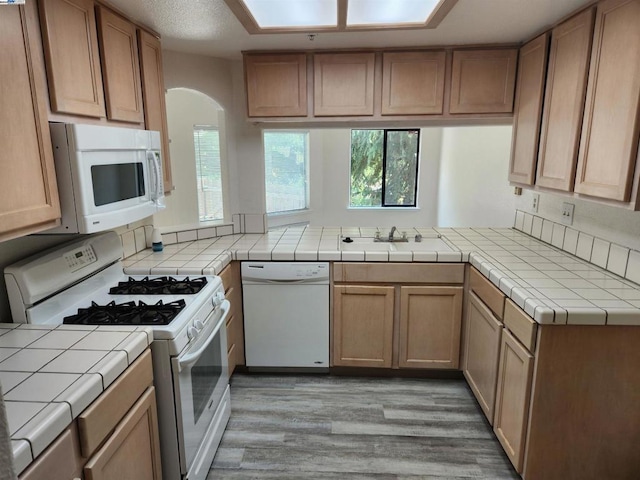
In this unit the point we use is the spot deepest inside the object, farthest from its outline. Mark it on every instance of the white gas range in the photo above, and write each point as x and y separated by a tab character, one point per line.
83	282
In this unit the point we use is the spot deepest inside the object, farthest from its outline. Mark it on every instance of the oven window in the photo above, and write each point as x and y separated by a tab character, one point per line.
117	182
205	374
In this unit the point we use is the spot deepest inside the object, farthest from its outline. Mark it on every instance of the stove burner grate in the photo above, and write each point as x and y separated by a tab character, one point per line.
159	286
128	313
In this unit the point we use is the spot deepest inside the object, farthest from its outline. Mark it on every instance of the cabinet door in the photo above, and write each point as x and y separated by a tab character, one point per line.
276	85
362	326
564	102
512	398
430	319
61	460
133	449
483	81
481	354
70	42
28	191
155	110
413	83
120	67
532	65
609	140
230	277
343	84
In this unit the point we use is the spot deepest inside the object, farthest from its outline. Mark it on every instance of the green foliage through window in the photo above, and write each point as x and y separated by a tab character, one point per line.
384	168
286	170
206	141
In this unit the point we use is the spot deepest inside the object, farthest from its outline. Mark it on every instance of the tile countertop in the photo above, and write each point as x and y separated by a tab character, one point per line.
552	286
51	373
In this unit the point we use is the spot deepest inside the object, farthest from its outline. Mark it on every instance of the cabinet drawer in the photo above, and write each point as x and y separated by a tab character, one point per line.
521	325
449	273
97	421
487	292
61	461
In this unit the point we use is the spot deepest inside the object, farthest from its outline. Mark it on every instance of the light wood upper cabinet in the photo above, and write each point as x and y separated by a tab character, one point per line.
276	85
609	140
120	67
343	84
512	398
363	326
564	102
28	191
153	95
430	320
70	41
481	353
413	82
532	65
483	81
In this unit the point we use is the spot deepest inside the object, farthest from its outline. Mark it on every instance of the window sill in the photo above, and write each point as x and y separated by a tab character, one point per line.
384	209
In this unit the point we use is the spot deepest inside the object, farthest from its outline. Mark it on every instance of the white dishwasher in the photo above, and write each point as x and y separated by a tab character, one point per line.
286	314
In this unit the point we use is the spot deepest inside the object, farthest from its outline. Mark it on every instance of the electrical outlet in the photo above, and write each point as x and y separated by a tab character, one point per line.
535	202
567	213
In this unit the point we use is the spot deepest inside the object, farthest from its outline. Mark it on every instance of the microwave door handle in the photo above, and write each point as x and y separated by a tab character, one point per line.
193	357
158	188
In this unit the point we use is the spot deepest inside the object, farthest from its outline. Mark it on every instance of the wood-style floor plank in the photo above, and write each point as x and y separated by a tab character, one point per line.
330	427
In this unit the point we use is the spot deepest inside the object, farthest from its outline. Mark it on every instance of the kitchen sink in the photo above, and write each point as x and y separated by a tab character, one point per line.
369	244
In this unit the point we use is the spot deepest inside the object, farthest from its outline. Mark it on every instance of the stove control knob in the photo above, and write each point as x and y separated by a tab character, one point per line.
218	299
198	324
192	332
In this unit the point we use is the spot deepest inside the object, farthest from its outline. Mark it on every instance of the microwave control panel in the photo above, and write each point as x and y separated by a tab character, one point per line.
80	257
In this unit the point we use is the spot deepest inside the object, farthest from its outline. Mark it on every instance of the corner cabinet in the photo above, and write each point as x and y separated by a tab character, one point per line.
483	81
532	66
611	126
153	95
28	191
343	84
70	41
397	315
120	67
413	83
276	85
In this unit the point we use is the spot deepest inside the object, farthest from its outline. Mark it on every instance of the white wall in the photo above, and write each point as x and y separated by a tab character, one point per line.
186	108
474	190
615	224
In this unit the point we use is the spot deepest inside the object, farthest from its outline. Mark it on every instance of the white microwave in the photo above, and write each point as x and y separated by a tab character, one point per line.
107	176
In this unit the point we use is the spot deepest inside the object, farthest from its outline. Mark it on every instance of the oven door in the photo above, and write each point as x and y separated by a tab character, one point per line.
200	377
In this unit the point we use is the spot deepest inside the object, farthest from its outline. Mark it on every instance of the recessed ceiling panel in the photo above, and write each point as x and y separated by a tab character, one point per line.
293	13
385	12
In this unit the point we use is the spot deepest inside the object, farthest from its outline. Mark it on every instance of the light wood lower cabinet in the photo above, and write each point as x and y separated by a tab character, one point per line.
482	337
512	398
133	450
28	192
235	322
363	326
409	319
430	320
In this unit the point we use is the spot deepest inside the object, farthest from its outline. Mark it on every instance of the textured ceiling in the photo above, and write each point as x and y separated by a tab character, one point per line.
208	27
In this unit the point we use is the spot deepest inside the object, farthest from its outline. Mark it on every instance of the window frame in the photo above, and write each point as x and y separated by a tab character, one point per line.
385	131
307	177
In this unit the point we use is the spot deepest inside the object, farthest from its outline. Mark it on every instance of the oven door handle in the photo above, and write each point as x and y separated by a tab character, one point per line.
193	357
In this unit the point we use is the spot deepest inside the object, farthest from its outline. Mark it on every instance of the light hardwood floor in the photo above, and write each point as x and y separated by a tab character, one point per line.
330	427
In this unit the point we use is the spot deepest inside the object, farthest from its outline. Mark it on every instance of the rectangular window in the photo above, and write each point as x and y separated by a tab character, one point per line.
286	156
384	168
206	140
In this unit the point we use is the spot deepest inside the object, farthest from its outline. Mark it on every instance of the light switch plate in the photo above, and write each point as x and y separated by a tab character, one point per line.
567	213
535	201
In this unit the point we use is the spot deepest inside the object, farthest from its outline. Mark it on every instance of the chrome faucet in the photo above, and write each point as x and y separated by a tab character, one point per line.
393	229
